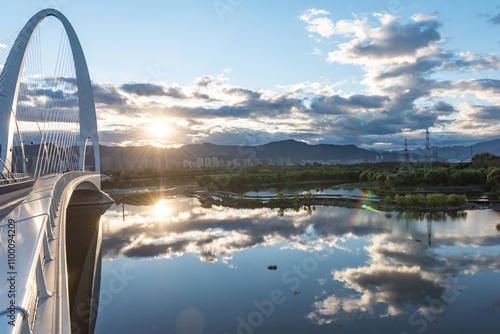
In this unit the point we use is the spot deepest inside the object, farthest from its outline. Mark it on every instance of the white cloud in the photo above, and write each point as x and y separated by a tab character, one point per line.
323	26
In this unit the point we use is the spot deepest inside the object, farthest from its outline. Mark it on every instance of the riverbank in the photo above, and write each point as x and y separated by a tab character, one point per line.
150	196
341	202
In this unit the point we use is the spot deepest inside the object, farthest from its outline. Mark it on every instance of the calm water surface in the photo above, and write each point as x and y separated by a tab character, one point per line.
344	192
176	267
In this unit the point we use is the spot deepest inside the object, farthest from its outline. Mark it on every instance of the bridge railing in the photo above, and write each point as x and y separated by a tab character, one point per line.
31	227
15	178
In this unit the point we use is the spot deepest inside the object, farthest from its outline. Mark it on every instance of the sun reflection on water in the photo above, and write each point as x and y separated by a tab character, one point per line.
161	210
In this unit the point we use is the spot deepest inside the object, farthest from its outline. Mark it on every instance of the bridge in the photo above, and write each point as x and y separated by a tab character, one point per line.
49	160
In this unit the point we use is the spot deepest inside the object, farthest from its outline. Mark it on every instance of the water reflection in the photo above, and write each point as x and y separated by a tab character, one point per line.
172	227
83	257
384	266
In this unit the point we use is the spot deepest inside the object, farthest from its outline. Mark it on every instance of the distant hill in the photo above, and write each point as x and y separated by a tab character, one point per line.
289	150
280	152
464	152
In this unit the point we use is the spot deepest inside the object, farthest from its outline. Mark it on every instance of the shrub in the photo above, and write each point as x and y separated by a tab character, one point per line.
296	196
203	180
391	180
436	199
280	196
400	200
455	199
422	199
388	199
411	199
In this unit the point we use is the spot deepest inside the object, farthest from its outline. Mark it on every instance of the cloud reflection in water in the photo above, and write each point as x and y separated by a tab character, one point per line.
409	259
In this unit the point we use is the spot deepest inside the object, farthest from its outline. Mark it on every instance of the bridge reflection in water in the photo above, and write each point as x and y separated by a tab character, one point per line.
83	247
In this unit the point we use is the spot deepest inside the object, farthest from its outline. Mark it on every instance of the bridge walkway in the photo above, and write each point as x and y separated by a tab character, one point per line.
38	271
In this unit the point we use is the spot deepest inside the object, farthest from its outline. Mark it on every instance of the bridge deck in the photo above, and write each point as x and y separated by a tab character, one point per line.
35	261
9	200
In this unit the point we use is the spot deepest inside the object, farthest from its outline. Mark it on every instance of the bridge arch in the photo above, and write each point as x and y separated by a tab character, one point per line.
11	76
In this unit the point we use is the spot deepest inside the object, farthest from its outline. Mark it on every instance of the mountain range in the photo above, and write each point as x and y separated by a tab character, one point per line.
463	152
291	151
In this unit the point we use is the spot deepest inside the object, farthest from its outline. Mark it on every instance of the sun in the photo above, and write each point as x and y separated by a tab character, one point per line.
161	210
158	128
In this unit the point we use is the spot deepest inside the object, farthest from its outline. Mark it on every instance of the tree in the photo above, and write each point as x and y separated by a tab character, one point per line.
280	196
493	177
485	160
204	180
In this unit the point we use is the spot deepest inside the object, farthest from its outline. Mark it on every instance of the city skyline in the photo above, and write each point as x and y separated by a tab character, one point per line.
248	73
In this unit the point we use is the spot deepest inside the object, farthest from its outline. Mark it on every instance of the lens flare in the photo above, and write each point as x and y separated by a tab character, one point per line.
161	211
363	204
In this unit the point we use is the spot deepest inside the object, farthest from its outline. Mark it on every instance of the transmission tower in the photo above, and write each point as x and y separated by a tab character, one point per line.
407	156
427	163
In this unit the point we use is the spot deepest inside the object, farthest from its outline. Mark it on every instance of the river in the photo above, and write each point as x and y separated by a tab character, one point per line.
176	267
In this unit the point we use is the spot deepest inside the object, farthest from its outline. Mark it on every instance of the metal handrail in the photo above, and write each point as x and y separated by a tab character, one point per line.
58	193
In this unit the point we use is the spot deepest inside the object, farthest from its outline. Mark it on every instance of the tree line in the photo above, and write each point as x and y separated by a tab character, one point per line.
484	170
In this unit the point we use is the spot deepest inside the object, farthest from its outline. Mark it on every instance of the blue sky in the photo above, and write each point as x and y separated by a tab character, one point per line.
369	73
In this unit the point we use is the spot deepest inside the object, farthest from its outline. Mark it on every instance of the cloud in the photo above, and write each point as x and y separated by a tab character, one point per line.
339	105
482	115
372	286
246	93
403	65
495	19
220	231
175	92
323	26
149	89
143	89
311	112
390	40
54	81
402	275
443	106
204	81
396	274
471	62
420	66
108	94
251	107
202	96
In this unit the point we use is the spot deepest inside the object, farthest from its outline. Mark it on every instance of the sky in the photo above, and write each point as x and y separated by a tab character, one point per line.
240	72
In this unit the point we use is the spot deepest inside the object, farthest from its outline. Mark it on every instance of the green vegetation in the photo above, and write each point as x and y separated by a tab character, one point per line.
279	175
394	183
156	177
483	172
438	176
429	199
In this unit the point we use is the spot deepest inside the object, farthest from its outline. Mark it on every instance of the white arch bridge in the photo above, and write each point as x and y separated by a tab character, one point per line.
42	170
